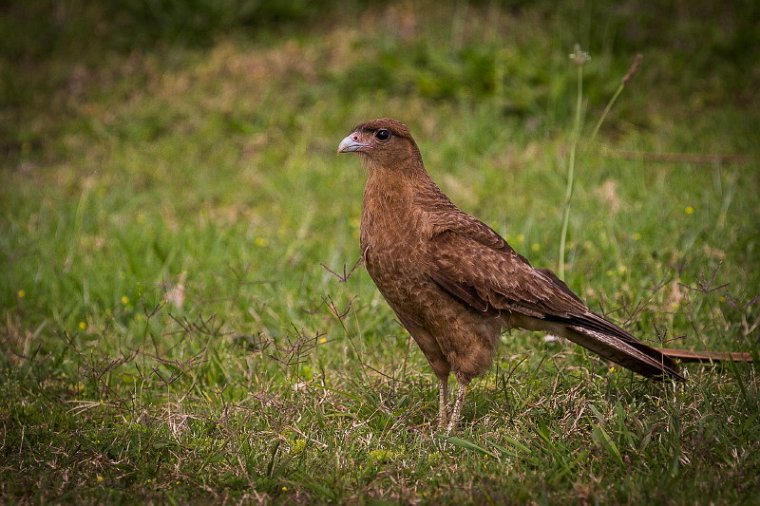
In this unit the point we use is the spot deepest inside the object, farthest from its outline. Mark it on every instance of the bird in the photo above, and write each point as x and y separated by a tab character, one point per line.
455	284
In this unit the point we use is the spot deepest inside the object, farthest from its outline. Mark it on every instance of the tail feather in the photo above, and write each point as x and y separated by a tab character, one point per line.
604	338
705	356
637	356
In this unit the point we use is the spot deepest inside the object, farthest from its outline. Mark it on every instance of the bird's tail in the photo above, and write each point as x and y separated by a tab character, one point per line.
615	344
629	353
705	356
606	339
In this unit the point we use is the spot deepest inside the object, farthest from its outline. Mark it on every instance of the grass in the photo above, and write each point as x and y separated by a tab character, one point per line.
178	319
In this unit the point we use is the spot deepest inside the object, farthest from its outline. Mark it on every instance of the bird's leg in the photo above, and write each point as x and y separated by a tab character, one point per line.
457	410
443	402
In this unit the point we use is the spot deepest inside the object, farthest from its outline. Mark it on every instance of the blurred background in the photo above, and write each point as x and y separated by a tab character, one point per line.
58	55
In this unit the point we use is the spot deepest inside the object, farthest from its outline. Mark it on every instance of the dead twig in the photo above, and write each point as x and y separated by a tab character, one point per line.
346	274
696	158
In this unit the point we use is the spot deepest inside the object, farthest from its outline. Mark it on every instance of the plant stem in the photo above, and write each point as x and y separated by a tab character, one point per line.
632	71
571	173
606	111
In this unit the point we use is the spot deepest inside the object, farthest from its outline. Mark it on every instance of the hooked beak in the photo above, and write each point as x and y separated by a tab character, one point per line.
351	143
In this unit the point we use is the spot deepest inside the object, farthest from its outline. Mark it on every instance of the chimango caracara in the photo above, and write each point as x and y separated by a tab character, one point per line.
454	283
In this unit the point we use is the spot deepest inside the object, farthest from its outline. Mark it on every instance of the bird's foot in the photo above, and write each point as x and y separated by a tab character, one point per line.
443	418
457	409
443	403
451	426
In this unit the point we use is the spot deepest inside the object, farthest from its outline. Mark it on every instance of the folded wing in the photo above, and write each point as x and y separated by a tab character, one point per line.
474	265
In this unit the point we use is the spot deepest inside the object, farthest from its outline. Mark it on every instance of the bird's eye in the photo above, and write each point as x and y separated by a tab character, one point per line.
383	134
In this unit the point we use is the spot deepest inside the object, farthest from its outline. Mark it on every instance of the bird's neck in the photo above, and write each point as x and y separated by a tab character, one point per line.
394	189
389	215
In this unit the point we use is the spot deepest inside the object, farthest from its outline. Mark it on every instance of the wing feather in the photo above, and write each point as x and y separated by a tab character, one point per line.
489	275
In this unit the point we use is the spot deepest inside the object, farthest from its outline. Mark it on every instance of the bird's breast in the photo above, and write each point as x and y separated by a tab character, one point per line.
392	244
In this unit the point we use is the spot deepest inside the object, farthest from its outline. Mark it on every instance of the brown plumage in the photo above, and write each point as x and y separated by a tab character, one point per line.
454	283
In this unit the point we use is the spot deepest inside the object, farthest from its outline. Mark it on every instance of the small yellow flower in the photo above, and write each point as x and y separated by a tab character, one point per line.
82	325
284	489
434	458
297	446
622	269
535	247
636	236
261	242
21	294
382	456
322	340
100	478
520	238
689	210
124	300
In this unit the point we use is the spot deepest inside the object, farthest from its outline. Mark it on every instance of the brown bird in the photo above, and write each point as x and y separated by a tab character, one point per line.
454	283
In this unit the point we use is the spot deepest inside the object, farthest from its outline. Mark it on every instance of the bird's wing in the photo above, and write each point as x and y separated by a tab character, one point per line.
473	264
478	267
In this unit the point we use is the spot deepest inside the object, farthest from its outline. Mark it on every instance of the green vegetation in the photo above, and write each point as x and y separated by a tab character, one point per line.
178	319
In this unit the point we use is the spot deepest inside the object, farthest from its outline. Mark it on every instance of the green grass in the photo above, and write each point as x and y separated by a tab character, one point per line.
171	328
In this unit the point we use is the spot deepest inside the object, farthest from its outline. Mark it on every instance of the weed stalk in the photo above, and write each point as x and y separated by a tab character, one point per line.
632	70
579	58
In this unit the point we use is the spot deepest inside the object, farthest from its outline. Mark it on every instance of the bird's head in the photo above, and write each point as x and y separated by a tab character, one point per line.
383	143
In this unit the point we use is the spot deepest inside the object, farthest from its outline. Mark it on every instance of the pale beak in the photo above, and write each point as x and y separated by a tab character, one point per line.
351	143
